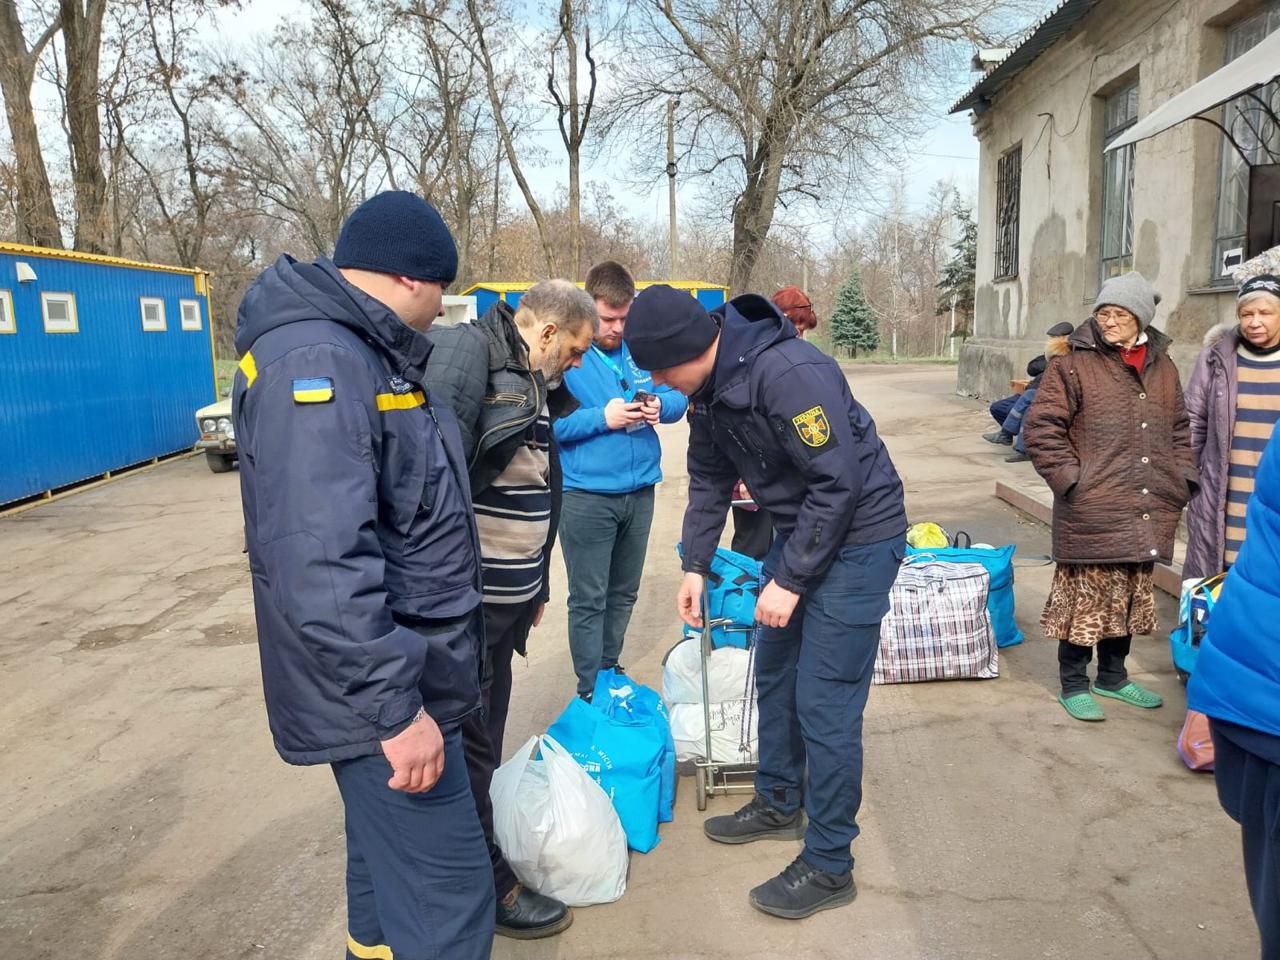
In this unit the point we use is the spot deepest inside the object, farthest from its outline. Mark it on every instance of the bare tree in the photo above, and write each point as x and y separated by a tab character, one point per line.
505	132
779	101
307	114
82	42
37	217
573	115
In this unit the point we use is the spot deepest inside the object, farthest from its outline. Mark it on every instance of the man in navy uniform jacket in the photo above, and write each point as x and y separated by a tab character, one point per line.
366	570
777	412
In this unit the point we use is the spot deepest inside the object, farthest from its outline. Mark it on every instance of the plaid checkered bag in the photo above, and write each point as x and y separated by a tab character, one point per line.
938	626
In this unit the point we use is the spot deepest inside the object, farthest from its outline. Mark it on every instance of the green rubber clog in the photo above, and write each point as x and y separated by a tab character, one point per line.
1134	695
1083	707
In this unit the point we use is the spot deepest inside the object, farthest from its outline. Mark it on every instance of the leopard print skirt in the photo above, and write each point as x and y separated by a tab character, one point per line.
1090	601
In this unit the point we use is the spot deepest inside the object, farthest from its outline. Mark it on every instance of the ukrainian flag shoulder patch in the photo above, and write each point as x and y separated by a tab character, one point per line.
313	390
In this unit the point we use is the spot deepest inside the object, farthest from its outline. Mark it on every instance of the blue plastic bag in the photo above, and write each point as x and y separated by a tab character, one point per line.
998	562
1194	608
734	587
624	749
615	690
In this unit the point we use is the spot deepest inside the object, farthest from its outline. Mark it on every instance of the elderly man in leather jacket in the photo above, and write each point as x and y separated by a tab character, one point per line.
502	378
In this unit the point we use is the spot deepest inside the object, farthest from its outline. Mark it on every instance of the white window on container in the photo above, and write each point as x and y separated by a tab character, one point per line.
1259	138
190	314
7	323
152	314
59	310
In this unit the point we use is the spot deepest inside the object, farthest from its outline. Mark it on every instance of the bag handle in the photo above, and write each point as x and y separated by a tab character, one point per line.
968	540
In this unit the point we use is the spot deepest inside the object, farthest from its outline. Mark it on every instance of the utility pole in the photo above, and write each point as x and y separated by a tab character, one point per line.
951	341
671	180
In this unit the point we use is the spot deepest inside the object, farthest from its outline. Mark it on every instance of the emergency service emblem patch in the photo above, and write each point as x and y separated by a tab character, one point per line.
813	427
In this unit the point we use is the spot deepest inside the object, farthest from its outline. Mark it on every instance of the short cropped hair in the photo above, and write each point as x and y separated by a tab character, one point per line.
561	302
611	282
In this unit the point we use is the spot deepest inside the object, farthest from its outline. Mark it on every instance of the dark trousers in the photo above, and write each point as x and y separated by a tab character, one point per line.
812	680
419	886
1249	791
506	626
604	538
752	532
1073	662
1001	409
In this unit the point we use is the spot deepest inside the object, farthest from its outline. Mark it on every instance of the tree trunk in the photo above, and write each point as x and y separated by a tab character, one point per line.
37	217
753	215
82	40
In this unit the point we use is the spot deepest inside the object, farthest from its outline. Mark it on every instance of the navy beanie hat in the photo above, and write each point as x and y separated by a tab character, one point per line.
667	327
399	233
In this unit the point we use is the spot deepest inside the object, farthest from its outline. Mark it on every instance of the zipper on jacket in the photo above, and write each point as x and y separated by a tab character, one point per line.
537	407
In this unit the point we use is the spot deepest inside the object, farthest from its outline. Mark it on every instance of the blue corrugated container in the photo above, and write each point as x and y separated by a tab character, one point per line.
103	363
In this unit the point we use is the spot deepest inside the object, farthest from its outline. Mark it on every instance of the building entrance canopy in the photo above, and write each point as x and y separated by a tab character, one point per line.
1255	68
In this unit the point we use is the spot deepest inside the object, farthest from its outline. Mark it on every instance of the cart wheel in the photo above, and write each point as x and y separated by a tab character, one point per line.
1183	677
700	784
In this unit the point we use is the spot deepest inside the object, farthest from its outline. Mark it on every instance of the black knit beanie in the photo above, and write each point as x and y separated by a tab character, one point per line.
667	327
399	233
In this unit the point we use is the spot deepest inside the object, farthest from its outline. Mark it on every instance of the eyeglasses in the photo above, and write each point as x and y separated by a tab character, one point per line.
1113	317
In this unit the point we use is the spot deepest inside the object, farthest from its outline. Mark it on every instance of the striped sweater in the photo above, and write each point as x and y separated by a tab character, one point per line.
513	516
1257	410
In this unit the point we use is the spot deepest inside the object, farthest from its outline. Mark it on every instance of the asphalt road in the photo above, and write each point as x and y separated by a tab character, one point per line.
145	814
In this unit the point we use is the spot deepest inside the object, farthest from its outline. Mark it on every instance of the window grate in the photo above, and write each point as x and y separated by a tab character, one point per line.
1008	196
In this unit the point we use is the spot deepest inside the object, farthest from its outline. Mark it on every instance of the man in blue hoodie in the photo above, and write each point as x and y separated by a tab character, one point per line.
777	412
1236	683
611	460
366	571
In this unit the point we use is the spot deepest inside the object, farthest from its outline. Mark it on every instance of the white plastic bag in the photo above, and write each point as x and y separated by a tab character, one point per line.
733	738
727	673
557	828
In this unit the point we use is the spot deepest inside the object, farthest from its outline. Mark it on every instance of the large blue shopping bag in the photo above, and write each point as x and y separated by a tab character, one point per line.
623	748
617	691
998	562
733	587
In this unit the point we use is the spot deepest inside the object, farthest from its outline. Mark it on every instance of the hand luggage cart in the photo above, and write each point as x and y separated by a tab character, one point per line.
712	778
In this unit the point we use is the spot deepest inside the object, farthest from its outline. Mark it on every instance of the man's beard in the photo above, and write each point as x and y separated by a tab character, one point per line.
609	341
551	369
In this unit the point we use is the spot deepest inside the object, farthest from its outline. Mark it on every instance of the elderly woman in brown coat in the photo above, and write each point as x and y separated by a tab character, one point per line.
1109	434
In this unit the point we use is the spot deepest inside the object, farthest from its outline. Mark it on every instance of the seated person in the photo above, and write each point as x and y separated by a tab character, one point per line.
1008	412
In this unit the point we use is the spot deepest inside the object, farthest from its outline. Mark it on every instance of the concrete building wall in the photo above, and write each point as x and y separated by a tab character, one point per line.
1054	109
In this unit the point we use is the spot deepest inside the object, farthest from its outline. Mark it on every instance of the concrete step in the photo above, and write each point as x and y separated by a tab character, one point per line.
1036	500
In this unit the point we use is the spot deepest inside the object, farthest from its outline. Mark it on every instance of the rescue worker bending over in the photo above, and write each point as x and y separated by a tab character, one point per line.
777	412
366	570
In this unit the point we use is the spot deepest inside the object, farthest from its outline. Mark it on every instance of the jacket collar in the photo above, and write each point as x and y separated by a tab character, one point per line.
1087	336
749	325
508	351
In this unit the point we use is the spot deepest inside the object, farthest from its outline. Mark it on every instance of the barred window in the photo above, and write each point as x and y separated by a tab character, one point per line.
1008	194
1120	112
1256	134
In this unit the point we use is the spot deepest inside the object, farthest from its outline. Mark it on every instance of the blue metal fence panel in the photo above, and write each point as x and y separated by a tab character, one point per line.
75	405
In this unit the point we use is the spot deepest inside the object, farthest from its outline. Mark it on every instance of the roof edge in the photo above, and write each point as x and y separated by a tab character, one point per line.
78	256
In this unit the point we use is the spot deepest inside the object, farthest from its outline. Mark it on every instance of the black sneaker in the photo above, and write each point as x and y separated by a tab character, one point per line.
998	436
801	891
525	914
758	820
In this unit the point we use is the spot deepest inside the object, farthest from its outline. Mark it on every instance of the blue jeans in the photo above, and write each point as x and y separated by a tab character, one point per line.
1000	409
1013	422
419	881
604	538
812	681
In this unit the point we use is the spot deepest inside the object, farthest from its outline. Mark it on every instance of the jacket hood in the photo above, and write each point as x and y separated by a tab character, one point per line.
749	324
1056	347
290	291
1228	330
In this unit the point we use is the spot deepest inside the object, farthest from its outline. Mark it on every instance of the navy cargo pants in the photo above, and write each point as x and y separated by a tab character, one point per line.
812	680
419	882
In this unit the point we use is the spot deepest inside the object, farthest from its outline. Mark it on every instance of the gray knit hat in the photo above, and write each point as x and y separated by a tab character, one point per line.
1133	292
